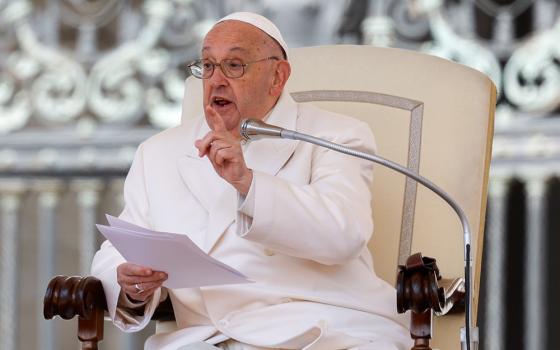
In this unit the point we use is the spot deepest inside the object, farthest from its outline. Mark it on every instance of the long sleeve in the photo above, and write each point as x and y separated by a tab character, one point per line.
328	219
107	259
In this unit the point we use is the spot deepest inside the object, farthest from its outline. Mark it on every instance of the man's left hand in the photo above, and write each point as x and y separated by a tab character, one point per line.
224	152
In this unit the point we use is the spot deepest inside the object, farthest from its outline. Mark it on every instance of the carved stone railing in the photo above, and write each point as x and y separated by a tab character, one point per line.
59	182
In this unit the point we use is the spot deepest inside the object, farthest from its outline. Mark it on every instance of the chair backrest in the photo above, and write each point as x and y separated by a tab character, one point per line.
427	113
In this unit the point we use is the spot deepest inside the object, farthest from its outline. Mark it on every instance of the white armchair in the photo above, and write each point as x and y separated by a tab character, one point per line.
429	114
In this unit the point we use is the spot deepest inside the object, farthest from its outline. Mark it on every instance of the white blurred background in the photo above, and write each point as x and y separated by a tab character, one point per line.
83	82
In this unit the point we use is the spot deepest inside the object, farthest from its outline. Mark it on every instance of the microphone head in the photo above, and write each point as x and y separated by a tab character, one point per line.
252	129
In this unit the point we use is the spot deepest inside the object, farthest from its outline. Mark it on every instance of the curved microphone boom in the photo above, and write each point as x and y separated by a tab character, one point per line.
252	129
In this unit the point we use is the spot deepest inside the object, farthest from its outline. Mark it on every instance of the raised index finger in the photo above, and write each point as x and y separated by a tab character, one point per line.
215	120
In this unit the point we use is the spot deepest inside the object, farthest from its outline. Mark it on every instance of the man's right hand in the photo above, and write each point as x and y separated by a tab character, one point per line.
139	282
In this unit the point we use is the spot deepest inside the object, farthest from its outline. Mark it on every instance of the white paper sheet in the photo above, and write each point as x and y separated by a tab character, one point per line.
184	262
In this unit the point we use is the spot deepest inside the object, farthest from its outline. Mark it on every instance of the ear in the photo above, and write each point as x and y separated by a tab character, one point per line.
281	75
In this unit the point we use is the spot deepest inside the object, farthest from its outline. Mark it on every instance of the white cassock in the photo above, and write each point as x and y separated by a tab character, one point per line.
300	233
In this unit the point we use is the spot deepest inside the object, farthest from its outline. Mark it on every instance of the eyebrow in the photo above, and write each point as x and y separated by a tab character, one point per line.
235	48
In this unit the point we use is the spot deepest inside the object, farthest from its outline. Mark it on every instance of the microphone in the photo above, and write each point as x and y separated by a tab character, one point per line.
252	129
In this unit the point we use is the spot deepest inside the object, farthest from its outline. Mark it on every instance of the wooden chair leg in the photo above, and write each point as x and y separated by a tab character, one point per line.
90	331
421	329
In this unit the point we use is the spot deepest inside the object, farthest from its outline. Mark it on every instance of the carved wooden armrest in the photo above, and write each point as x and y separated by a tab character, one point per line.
418	290
84	297
454	292
78	296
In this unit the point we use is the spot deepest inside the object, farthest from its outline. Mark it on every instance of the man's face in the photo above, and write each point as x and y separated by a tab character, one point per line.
248	96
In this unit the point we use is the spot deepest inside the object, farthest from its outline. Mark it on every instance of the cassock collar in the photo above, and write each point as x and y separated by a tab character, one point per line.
266	155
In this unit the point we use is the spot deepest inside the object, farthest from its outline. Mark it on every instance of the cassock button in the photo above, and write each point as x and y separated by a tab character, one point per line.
268	252
223	323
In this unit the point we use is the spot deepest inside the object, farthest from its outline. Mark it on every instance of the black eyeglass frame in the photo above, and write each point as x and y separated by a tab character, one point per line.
196	69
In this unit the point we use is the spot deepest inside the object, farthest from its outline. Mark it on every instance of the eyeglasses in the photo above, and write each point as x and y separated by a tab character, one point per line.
232	68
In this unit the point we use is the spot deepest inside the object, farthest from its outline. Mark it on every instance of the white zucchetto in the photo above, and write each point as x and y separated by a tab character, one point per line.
260	22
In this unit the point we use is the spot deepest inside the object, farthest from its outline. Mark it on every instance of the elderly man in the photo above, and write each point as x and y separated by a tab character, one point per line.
293	217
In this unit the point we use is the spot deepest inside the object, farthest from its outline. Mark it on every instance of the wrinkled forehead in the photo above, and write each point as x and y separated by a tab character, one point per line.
236	36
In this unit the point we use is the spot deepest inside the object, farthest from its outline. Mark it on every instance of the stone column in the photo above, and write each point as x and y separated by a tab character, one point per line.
495	248
88	194
116	190
535	284
10	202
47	201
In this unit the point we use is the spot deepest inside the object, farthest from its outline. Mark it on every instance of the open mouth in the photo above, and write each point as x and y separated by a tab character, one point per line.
220	102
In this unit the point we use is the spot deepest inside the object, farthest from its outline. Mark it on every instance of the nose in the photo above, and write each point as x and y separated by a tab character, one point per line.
218	78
